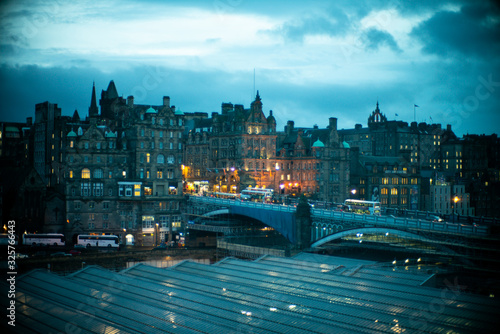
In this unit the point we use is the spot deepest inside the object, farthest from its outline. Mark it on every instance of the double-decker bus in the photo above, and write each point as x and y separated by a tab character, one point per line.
364	207
44	239
257	195
110	241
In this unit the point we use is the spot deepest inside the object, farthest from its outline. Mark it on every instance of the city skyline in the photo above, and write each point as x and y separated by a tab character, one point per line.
329	60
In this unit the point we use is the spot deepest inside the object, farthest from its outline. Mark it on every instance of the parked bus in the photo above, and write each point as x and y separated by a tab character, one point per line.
110	241
364	207
44	239
257	195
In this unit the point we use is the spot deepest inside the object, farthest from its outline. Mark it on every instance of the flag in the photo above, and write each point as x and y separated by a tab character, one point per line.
431	118
397	115
416	106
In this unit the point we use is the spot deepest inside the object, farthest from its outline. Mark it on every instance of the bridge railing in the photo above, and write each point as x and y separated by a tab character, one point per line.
384	221
403	222
249	204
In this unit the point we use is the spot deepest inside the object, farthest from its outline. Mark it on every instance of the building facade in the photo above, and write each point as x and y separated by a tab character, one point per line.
123	173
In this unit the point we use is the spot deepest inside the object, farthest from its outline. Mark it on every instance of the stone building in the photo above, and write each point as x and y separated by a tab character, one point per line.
48	146
231	151
418	142
123	172
393	181
313	162
240	148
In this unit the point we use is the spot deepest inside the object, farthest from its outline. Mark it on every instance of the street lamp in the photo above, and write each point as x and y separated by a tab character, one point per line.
156	235
353	192
277	168
455	199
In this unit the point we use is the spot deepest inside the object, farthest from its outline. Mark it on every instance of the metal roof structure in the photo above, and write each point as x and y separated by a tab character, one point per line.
305	294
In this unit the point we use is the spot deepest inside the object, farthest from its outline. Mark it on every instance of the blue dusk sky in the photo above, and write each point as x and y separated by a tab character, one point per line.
310	60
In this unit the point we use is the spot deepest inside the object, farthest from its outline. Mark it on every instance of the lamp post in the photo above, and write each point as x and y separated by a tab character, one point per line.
124	240
276	168
156	234
455	199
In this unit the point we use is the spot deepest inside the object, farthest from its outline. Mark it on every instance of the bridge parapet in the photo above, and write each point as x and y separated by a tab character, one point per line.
401	223
232	202
353	219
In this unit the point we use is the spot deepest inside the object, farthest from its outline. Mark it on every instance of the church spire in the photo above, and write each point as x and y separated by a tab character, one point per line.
93	111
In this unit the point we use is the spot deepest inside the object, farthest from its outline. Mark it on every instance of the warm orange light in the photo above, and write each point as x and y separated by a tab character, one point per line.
456	199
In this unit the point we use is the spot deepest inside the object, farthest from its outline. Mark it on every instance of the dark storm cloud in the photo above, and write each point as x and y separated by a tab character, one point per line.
472	31
333	22
374	39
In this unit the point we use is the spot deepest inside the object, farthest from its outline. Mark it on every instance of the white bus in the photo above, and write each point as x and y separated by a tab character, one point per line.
257	195
364	207
44	239
110	241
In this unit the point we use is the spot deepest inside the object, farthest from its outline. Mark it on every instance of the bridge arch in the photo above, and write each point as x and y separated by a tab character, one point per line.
373	230
214	213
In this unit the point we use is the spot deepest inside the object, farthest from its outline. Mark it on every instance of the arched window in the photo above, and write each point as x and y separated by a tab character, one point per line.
160	159
85	173
98	173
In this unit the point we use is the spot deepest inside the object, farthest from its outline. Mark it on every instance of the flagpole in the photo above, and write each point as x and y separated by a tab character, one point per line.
414	114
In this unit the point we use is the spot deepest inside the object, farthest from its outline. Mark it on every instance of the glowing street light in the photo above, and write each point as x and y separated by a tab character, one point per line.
455	199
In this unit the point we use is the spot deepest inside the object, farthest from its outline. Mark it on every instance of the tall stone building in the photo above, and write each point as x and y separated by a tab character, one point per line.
123	173
49	142
232	150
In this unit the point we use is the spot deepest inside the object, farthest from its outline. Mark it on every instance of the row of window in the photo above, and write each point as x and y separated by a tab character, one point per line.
96	189
157	206
86	145
160	133
171	121
160	158
142	145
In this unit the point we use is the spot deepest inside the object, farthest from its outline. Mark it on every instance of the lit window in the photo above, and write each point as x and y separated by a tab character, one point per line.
137	190
85	173
70	174
148	157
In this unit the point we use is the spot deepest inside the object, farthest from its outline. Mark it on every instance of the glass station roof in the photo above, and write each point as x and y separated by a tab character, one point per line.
304	294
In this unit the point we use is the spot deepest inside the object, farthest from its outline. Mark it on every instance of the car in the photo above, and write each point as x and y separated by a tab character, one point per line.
79	247
75	252
21	256
436	219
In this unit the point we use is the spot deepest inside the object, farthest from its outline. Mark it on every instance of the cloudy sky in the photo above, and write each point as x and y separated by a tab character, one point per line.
312	59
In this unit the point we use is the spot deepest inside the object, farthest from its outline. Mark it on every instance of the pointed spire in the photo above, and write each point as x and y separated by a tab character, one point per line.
112	92
76	116
93	111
